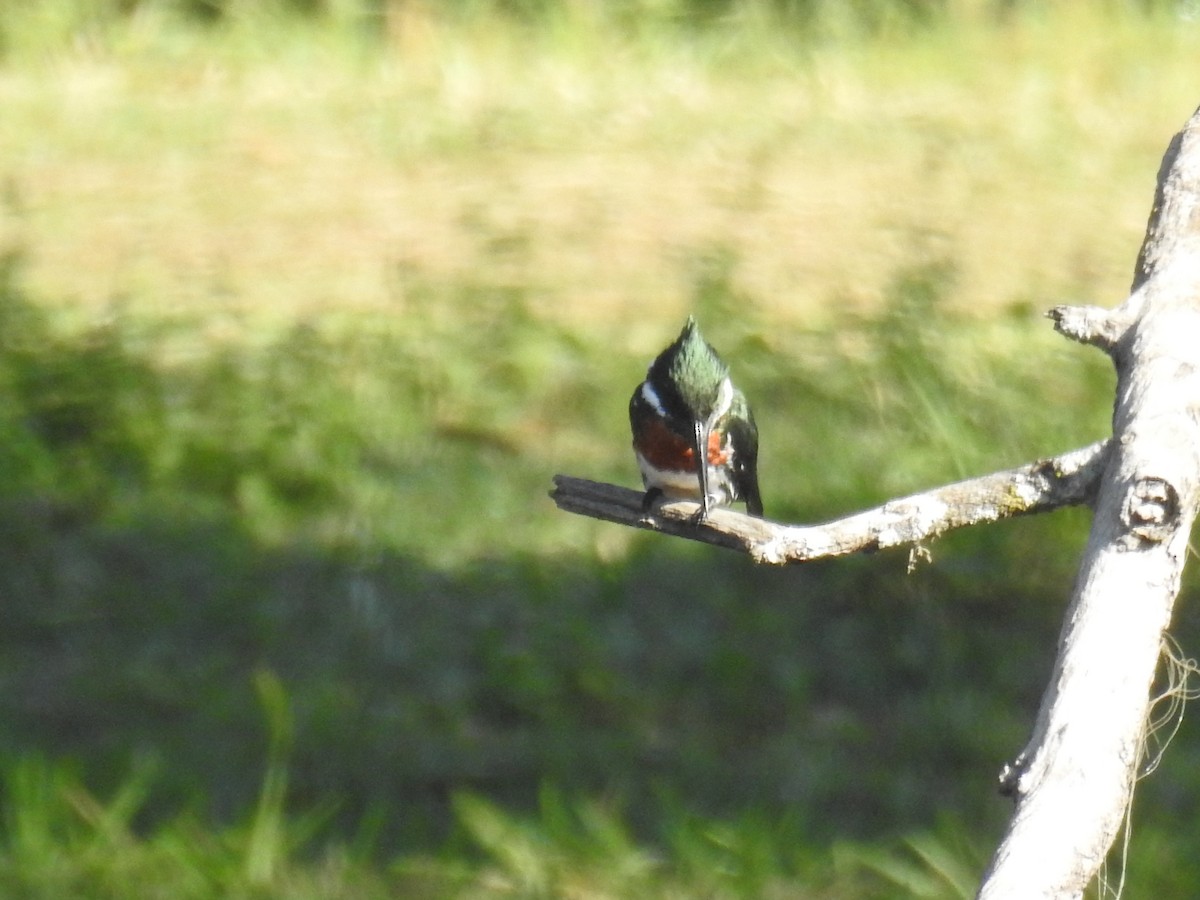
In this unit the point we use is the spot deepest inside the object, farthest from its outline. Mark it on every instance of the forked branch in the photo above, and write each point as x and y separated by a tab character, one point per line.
1072	783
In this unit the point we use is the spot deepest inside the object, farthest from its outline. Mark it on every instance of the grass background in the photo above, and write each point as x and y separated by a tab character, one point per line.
301	305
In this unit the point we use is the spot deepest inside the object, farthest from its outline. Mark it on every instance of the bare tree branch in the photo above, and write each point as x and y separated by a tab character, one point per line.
1073	781
1092	324
1066	480
1174	225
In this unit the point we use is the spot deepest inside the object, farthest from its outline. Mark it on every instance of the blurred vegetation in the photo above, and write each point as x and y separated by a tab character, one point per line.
864	15
287	611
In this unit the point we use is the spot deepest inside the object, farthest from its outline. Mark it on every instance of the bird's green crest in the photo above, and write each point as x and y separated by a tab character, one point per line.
697	370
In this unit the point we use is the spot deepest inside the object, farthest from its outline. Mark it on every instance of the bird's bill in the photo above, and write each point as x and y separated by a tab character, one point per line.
702	432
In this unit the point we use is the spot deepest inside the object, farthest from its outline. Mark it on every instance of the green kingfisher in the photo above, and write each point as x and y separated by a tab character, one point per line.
687	409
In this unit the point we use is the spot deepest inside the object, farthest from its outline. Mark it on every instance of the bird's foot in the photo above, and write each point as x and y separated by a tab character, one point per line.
652	496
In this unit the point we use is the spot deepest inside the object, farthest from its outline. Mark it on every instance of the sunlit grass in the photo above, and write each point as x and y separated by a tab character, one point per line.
289	173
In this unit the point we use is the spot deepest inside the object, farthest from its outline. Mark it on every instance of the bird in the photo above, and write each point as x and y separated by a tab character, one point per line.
685	410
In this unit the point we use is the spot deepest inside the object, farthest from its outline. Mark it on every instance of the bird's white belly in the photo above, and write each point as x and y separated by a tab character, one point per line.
685	485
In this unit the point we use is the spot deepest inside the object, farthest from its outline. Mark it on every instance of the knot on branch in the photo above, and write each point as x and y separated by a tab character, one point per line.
1151	510
1093	325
